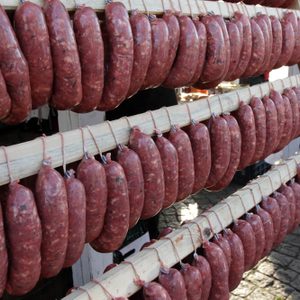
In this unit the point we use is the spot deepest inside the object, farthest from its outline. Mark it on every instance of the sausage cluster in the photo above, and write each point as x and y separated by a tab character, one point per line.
272	3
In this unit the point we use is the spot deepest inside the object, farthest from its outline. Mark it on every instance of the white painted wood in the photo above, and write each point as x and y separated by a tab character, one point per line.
120	280
26	158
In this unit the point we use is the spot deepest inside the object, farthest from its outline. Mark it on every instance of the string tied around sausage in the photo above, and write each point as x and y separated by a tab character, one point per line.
137	281
219	220
163	268
192	239
63	154
156	130
102	157
192	121
177	256
271	182
230	210
46	160
118	145
11	179
84	149
86	291
210	226
242	202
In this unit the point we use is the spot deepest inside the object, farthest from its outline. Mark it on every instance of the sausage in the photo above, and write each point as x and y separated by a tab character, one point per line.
296	189
169	159
186	178
268	226
297	91
172	280
271	206
243	20
277	42
215	61
287	191
259	233
5	101
200	140
116	220
258	50
279	103
155	291
3	256
220	149
15	72
77	218
132	167
296	53
193	281
245	232
235	47
284	217
157	71
186	60
245	117
271	126
92	174
236	143
52	205
223	243
203	266
67	91
236	269
24	237
219	271
142	41
119	60
260	117
154	186
288	43
201	30
290	93
91	53
292	18
30	25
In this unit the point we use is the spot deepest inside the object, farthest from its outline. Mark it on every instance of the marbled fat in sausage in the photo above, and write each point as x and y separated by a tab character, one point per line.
154	186
132	167
182	144
296	189
67	91
116	220
52	204
24	248
155	291
193	282
15	72
3	256
92	174
77	218
290	93
91	54
277	42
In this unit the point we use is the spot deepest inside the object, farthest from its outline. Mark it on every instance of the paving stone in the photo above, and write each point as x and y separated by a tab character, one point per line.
280	259
280	289
288	249
260	279
261	294
294	296
296	283
244	289
295	265
286	276
267	268
293	240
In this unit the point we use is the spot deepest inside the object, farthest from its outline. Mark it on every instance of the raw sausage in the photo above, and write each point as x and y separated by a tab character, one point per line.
92	174
52	204
116	220
296	54
5	101
67	91
31	30
155	291
277	42
119	60
223	243
292	18
154	186
169	159
91	53
290	93
77	218
296	189
24	237
200	140
193	281
132	167
15	72
3	256
182	144
297	91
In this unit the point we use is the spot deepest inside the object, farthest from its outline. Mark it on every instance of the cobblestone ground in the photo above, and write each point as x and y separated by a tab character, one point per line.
277	277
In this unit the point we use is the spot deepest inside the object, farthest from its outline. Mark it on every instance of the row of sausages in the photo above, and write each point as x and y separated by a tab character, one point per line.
272	3
224	259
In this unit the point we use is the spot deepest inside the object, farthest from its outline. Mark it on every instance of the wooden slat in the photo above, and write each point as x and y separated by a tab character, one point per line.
26	158
120	280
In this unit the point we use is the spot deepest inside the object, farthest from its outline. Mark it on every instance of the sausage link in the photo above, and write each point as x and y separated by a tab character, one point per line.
203	266
24	237
182	144
92	174
290	93
142	40
223	243
154	186
77	218
200	140
220	149
169	159
296	189
3	256
15	72
119	60
292	18
193	282
185	63
271	126
245	117
245	232
5	101
132	167
67	91
30	25
52	204
91	53
296	54
172	280
155	291
277	42
116	220
297	91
